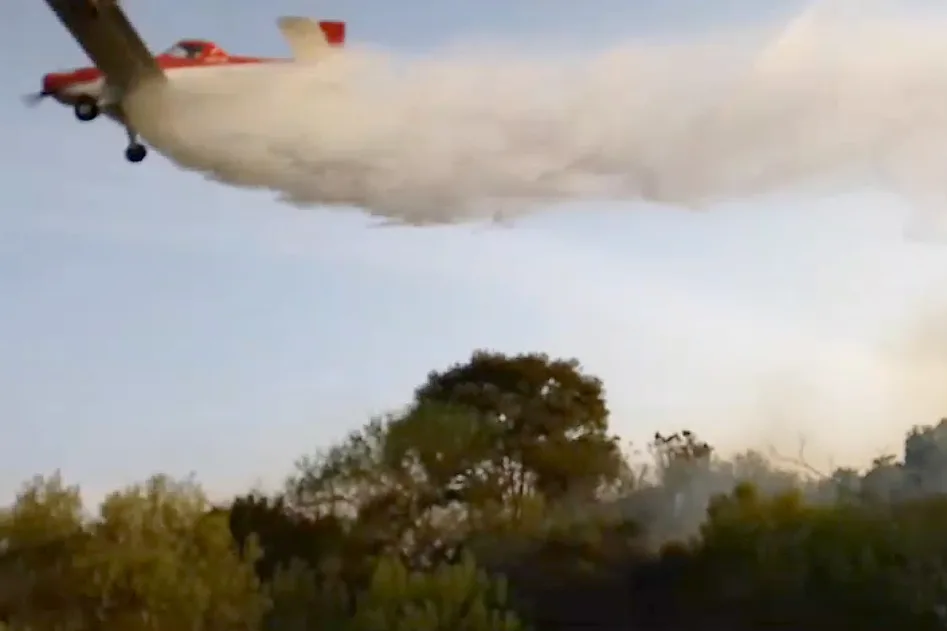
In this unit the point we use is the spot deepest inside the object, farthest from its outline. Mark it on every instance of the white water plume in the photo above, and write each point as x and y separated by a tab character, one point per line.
472	134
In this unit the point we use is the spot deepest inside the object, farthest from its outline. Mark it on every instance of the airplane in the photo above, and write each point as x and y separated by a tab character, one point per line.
123	62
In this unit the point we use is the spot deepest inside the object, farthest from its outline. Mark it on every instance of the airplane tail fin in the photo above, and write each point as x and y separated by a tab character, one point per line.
311	40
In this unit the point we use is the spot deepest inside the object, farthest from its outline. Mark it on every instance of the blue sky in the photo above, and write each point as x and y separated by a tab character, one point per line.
151	321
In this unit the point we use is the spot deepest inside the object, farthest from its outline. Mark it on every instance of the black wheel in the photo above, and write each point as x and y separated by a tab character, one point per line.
136	153
86	108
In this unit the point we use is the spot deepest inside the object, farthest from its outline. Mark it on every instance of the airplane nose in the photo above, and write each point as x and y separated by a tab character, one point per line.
55	82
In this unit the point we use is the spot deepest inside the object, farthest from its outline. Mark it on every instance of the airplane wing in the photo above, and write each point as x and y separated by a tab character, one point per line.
311	40
108	38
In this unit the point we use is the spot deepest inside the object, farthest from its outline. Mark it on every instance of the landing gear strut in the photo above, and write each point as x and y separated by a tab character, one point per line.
86	108
135	151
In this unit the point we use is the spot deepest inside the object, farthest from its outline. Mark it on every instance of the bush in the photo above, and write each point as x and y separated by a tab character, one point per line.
780	561
458	597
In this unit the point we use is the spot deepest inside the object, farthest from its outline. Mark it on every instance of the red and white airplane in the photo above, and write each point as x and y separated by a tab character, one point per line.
123	61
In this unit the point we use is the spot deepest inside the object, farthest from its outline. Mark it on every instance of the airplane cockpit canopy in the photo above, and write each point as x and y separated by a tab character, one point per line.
186	50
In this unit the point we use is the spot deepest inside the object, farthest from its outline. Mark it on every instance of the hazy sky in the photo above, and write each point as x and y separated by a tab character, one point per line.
151	321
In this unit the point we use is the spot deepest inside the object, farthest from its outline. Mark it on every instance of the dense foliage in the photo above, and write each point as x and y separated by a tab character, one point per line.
496	501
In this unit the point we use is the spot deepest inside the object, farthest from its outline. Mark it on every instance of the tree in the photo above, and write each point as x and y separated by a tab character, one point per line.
449	597
925	460
457	597
283	535
384	484
39	534
154	559
483	442
680	457
544	424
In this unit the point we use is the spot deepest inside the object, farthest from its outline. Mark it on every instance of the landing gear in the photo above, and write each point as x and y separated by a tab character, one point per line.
86	108
135	152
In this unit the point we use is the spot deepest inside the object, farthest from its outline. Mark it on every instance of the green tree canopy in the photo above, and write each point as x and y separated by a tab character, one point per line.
482	440
546	420
153	559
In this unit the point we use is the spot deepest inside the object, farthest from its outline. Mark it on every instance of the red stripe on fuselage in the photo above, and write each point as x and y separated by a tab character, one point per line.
58	81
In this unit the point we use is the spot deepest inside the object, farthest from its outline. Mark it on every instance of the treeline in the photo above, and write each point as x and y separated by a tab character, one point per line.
498	500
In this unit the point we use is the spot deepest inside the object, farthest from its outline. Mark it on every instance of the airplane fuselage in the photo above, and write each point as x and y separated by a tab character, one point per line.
87	92
125	69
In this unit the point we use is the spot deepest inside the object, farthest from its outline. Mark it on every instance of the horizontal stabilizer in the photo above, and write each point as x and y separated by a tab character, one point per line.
311	40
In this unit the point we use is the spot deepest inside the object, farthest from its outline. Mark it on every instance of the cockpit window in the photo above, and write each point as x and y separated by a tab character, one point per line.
184	50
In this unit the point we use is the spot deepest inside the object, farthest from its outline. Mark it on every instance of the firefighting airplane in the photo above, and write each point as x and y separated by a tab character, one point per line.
124	63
